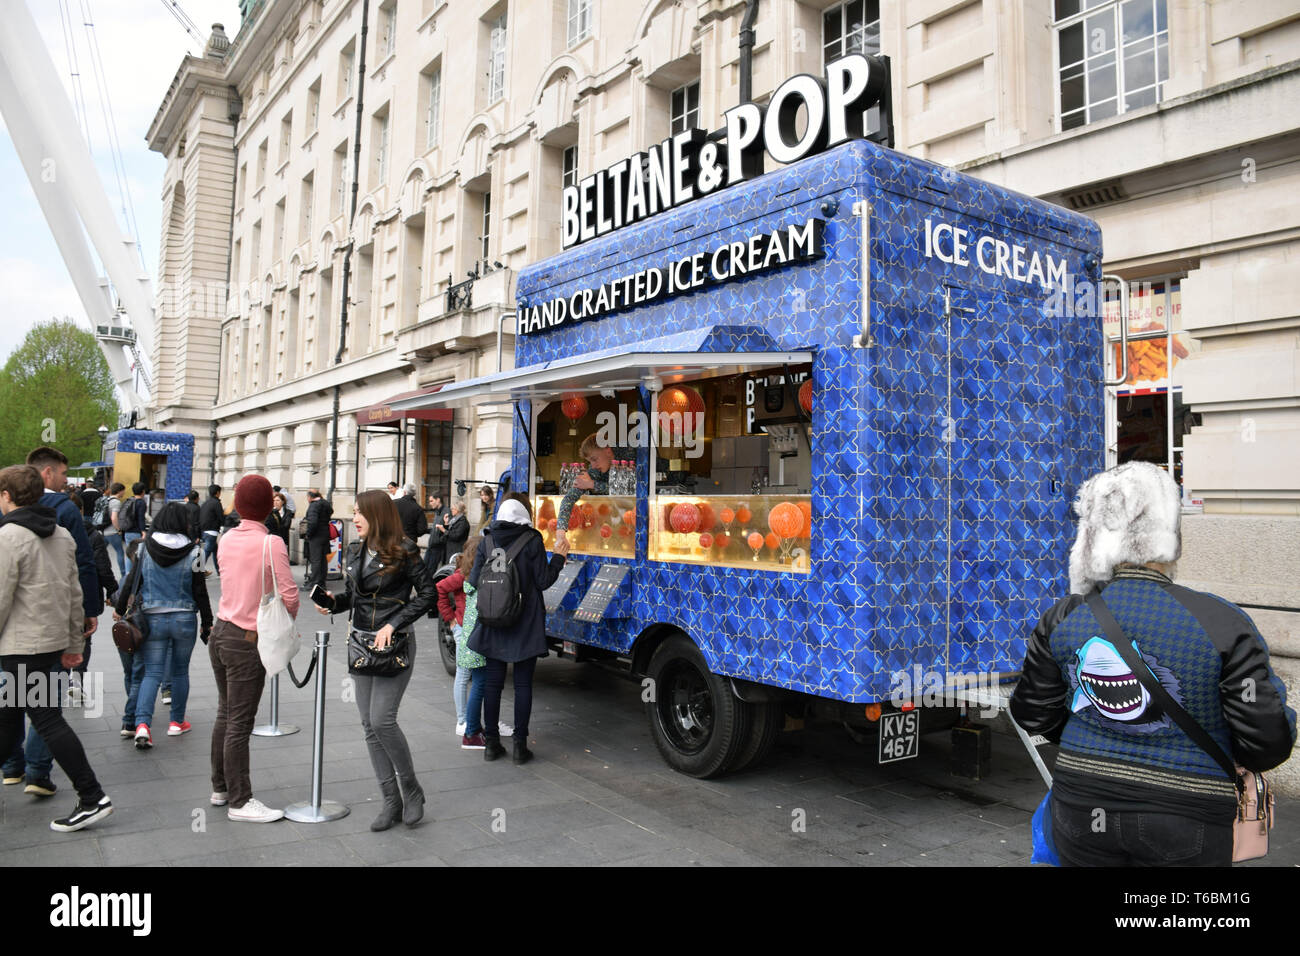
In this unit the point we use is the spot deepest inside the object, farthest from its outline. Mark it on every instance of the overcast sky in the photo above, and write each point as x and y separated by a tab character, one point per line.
141	45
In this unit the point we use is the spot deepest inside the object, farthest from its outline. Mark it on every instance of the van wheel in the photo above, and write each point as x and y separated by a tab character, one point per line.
768	721
446	647
697	723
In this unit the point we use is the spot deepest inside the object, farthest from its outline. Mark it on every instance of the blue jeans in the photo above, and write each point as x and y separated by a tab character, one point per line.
171	635
115	542
34	761
210	553
128	537
474	706
132	677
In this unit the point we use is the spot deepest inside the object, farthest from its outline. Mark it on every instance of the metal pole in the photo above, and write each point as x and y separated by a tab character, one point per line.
275	728
318	810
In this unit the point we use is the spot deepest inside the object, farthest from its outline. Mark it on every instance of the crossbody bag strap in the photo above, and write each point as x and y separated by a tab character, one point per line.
517	547
275	585
1143	673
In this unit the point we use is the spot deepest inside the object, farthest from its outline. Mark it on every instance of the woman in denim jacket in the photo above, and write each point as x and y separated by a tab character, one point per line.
169	575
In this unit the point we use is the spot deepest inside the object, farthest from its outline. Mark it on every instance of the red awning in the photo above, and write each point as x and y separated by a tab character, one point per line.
383	413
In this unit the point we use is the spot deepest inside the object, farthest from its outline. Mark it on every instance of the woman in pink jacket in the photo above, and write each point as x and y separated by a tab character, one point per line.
233	646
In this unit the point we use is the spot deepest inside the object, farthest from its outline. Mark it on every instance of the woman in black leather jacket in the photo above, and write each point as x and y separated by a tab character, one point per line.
381	569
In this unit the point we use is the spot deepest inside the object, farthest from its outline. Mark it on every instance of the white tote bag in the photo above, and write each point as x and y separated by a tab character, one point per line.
277	636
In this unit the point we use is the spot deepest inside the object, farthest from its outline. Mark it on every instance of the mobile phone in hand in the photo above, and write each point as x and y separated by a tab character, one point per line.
322	598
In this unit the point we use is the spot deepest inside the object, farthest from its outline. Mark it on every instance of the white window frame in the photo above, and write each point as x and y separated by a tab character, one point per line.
688	118
313	107
388	30
485	238
348	57
381	149
1115	9
432	107
569	170
497	38
578	21
868	30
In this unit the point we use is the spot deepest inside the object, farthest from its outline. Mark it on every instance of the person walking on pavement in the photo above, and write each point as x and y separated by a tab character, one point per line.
42	634
277	522
1167	801
436	551
210	519
116	491
192	509
232	647
414	523
457	530
524	641
133	519
317	534
171	592
381	570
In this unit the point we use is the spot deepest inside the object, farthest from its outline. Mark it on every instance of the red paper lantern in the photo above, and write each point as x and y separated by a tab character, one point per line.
743	514
755	540
678	406
805	396
786	520
708	517
546	509
805	508
541	524
706	541
602	509
574	407
771	540
624	531
721	539
629	518
684	518
606	531
552	525
727	515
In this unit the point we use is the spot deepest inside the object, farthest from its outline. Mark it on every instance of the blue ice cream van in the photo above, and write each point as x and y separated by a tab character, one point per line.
847	402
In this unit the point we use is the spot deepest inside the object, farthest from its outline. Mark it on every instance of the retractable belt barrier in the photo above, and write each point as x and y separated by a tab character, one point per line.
275	728
317	810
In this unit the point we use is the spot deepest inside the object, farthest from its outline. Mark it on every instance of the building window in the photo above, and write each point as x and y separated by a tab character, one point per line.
381	147
497	59
579	20
313	107
347	62
1111	57
484	239
432	107
569	167
261	165
684	108
286	137
438	437
852	27
340	203
387	29
307	199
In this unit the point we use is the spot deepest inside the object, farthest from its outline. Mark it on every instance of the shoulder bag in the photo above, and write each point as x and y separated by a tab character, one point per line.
277	636
1254	797
133	629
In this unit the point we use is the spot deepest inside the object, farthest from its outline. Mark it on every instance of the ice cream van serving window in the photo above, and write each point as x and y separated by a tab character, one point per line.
732	479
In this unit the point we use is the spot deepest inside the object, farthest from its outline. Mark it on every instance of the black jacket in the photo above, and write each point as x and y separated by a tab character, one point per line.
318	517
375	598
457	534
1118	748
192	511
414	523
103	566
210	515
527	636
278	524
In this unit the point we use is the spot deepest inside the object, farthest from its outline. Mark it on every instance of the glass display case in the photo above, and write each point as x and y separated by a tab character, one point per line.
598	525
768	532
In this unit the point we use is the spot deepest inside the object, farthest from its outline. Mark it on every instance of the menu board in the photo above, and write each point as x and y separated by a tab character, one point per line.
601	593
554	595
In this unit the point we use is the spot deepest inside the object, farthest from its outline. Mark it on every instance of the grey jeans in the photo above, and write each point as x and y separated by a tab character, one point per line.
378	699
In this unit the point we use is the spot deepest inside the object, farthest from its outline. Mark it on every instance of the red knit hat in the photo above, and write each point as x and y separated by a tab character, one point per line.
253	498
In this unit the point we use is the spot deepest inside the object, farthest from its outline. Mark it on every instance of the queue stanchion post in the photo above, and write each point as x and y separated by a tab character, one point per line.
318	810
275	728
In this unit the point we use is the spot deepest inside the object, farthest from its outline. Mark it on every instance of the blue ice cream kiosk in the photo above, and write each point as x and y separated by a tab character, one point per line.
857	394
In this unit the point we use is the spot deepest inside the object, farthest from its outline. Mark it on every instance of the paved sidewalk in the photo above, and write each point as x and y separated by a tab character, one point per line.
596	794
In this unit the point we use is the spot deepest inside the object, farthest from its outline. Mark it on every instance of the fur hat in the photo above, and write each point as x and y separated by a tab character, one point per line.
253	498
1128	515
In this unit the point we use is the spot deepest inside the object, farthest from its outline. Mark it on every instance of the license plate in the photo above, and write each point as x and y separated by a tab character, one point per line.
900	735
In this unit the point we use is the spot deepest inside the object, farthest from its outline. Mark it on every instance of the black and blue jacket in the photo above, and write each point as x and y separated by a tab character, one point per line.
1119	750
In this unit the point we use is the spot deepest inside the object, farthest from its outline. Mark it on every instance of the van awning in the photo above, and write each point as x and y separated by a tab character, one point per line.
716	349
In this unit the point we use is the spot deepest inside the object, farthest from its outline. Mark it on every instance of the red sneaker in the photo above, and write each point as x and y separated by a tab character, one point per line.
175	730
475	742
143	739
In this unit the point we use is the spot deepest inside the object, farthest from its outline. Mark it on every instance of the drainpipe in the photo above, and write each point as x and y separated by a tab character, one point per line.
347	252
747	51
232	112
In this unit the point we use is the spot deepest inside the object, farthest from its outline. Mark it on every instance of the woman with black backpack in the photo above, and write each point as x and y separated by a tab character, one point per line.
512	617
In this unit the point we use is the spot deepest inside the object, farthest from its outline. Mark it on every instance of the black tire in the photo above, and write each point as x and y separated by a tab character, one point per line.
447	647
697	723
768	720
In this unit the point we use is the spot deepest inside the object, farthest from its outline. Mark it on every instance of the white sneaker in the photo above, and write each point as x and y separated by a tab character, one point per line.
219	798
254	811
460	729
505	729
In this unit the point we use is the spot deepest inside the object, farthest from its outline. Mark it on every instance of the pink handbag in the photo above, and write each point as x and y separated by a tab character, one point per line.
1254	816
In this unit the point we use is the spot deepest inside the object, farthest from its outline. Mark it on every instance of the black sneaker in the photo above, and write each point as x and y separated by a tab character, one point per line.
83	816
166	695
41	788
